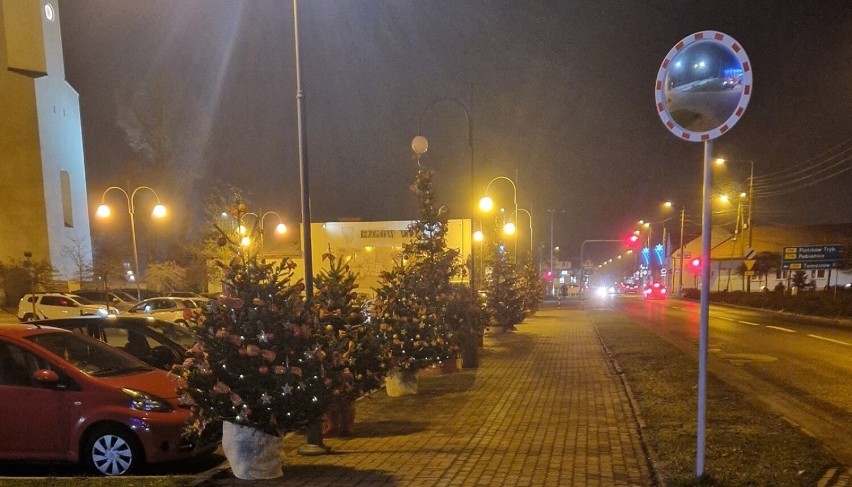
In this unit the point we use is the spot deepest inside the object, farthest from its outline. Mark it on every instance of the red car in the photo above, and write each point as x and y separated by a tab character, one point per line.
69	397
655	291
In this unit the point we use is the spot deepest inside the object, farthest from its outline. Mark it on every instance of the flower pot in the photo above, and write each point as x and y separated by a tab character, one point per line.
339	418
252	454
401	382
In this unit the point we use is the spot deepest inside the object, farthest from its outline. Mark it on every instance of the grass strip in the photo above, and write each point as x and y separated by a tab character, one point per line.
745	445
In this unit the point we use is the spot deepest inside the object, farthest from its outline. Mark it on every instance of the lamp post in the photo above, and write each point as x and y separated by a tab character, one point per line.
515	215
280	228
722	161
419	144
486	203
158	212
301	124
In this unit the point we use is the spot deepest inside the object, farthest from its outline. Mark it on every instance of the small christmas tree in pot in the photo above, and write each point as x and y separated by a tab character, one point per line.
414	294
267	376
354	365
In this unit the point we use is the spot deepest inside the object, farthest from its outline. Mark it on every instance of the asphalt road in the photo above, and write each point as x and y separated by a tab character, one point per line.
798	367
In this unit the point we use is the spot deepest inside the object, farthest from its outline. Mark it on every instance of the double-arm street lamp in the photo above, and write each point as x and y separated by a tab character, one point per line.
245	240
486	204
158	212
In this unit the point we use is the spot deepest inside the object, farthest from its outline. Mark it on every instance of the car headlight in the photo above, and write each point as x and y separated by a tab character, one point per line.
142	401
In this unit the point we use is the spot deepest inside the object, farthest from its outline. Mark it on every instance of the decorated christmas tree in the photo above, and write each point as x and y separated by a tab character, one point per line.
265	367
531	285
415	292
503	286
354	362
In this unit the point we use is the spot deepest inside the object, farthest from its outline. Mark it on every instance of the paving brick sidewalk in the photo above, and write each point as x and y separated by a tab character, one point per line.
544	408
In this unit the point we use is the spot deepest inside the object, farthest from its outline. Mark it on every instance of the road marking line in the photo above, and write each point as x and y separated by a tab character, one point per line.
750	323
781	329
830	340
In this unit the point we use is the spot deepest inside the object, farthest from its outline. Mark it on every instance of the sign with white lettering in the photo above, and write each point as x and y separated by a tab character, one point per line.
812	257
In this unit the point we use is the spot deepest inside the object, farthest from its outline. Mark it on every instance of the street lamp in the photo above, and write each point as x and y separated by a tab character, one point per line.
721	161
280	228
486	204
158	212
419	144
516	216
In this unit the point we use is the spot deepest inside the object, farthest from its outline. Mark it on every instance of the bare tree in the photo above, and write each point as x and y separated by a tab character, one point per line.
165	276
76	251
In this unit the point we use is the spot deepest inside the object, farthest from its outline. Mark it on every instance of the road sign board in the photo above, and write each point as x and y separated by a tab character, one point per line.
748	273
749	253
749	263
663	271
812	257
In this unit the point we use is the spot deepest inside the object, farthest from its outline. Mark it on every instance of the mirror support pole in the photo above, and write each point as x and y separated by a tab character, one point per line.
704	307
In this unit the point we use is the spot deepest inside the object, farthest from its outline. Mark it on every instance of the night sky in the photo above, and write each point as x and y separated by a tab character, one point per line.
187	95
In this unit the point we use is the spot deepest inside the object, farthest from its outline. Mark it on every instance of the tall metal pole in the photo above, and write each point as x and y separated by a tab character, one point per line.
303	163
680	274
469	120
313	432
135	252
704	312
750	206
552	281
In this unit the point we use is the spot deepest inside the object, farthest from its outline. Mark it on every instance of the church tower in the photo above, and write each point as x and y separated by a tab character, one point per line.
43	201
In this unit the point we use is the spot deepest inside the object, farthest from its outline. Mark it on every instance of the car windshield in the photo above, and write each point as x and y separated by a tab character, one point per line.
178	334
89	355
82	300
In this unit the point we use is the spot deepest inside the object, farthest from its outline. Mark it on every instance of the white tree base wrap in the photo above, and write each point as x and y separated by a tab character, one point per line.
401	383
253	454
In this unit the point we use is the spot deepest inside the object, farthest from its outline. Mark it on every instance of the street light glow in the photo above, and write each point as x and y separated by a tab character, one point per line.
478	236
509	228
281	228
486	204
103	211
159	211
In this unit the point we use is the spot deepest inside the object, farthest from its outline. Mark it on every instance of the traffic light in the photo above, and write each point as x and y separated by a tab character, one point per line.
548	276
695	265
633	240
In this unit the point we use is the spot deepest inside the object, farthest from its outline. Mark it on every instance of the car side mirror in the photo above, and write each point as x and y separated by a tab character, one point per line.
45	376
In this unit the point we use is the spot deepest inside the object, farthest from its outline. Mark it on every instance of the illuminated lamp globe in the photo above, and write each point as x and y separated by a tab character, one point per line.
281	228
103	211
486	204
159	211
478	236
419	144
509	228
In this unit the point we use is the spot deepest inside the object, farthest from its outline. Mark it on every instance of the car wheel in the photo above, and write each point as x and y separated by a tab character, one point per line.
112	451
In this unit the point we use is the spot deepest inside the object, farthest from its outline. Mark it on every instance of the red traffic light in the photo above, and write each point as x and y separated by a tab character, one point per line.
695	266
548	276
632	240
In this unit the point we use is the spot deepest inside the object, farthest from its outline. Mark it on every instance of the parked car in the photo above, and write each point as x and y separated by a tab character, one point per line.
655	290
41	306
119	299
159	343
183	311
70	398
183	294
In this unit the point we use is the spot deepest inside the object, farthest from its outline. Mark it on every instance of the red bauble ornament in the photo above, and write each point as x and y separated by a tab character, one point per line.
221	241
